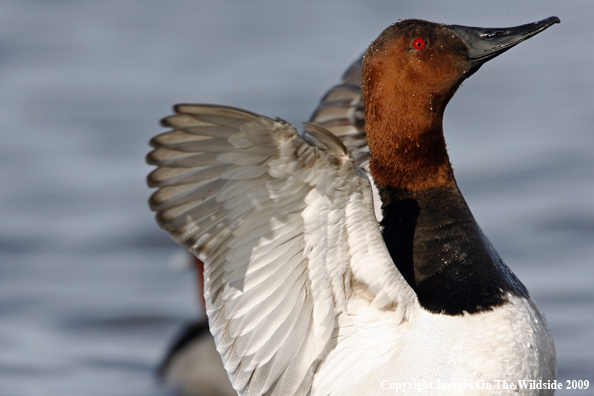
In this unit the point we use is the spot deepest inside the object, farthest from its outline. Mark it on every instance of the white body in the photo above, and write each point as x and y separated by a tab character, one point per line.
479	354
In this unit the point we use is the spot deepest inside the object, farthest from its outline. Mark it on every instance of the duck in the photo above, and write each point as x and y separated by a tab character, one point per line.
331	271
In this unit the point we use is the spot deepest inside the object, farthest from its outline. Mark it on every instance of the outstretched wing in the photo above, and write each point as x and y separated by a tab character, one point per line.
286	227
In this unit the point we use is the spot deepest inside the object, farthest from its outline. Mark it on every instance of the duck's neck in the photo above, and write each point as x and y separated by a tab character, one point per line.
428	228
405	137
441	251
412	161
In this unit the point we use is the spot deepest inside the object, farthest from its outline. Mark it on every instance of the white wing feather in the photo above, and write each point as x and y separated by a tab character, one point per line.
285	225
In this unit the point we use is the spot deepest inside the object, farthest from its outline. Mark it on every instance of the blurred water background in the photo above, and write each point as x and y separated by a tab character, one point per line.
88	304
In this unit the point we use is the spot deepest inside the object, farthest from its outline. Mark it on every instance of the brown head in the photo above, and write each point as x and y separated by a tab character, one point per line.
410	72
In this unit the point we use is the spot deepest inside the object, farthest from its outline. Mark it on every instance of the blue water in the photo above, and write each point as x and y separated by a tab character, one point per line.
88	303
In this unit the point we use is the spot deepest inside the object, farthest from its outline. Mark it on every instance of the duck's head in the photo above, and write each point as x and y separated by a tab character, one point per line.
410	72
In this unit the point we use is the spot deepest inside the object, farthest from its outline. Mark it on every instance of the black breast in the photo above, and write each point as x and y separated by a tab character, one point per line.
442	253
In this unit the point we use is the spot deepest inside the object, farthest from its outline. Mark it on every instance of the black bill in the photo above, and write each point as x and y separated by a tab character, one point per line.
486	43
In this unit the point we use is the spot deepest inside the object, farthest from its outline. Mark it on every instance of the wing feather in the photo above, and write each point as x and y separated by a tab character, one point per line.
173	159
176	176
271	213
341	112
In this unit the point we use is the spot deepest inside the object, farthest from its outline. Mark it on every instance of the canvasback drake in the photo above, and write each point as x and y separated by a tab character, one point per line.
306	293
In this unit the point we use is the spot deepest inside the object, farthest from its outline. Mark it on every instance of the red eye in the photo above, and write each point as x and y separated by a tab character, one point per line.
419	44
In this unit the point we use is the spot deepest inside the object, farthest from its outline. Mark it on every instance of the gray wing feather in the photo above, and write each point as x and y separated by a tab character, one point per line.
341	112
